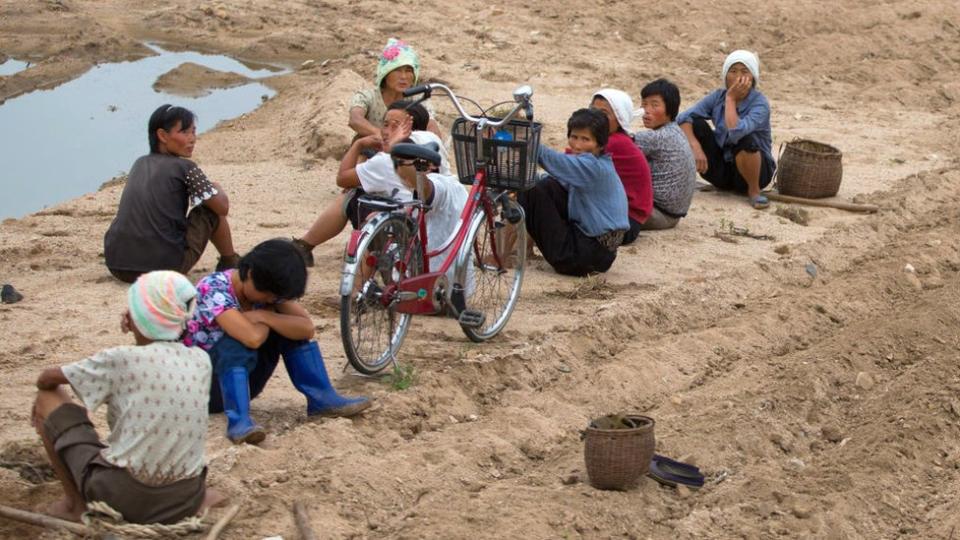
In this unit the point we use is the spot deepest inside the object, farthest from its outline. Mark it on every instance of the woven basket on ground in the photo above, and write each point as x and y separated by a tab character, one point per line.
617	458
809	169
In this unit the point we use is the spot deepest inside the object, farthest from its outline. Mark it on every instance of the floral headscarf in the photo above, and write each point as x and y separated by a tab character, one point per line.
396	54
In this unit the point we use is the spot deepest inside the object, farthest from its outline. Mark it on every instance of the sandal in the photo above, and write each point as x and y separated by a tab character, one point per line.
759	202
672	473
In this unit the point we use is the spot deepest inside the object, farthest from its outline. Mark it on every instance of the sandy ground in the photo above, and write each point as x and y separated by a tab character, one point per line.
818	406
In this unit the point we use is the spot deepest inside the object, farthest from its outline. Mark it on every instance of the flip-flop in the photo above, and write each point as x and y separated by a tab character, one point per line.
760	202
673	473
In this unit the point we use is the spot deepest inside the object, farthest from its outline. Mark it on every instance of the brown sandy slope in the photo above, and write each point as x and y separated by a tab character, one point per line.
819	406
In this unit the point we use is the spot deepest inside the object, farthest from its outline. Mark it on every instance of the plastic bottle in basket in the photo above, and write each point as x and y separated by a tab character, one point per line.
503	153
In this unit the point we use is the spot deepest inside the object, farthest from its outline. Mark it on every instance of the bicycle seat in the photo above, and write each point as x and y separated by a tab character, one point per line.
429	152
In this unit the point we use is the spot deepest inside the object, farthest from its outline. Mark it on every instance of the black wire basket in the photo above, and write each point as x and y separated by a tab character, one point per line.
510	150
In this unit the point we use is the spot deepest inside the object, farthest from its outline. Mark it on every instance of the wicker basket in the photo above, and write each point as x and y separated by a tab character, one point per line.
618	458
809	169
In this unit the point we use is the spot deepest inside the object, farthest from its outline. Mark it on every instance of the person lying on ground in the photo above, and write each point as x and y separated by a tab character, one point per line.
375	176
671	160
628	160
736	153
246	319
398	69
151	468
169	210
577	214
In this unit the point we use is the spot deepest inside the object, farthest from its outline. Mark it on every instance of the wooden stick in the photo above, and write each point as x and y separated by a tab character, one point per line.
303	522
42	520
222	522
851	207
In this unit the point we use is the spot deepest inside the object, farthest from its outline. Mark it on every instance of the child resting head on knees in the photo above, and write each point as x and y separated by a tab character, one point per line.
577	215
631	165
672	166
169	210
151	468
375	176
246	319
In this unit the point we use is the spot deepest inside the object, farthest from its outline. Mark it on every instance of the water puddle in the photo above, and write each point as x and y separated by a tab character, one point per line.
60	143
12	66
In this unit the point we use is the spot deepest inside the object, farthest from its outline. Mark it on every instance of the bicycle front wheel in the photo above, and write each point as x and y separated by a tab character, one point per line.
370	328
492	271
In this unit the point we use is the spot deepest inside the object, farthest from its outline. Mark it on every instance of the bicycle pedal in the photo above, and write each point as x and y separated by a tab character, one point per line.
471	318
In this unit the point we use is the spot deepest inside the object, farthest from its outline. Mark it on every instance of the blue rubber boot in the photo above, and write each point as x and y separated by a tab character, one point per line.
235	388
305	366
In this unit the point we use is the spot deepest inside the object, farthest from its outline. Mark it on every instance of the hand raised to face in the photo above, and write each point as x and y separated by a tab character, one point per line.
741	87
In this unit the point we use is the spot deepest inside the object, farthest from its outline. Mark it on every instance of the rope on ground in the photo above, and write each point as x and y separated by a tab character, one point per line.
100	518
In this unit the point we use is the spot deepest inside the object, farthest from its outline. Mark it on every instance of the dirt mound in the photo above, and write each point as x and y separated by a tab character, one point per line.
326	132
193	80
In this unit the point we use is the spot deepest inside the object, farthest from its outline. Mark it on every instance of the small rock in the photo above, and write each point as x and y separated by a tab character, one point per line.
864	380
563	368
676	399
9	295
832	434
796	464
801	510
570	479
782	249
909	268
683	491
473	418
307	64
913	281
811	270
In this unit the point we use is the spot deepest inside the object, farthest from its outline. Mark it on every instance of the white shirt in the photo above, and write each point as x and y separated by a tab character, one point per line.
377	177
156	398
443	218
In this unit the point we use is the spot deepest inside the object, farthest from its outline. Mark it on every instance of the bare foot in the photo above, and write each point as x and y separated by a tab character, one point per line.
211	499
64	509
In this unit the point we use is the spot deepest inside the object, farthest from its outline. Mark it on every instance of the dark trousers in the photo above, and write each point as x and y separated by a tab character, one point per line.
632	233
724	174
562	243
259	363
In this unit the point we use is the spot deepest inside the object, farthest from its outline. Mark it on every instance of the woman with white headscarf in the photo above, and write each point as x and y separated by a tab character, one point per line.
736	154
628	160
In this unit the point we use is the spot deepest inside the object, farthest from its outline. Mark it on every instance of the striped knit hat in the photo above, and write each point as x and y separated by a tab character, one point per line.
160	304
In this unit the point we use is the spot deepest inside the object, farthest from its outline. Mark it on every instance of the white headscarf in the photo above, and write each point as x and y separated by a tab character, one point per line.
746	58
622	106
423	137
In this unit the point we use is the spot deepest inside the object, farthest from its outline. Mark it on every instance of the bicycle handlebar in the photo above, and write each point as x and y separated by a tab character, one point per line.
521	95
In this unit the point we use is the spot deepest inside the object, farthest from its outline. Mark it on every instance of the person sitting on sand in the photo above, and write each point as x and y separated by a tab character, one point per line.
628	160
671	160
577	215
736	154
169	210
246	319
375	175
398	69
152	467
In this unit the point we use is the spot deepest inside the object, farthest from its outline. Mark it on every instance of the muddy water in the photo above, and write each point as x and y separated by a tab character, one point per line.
60	143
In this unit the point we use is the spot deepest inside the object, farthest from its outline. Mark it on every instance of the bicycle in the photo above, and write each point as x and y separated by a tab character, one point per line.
387	274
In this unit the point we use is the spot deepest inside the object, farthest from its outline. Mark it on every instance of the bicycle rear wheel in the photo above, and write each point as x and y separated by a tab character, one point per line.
492	276
370	328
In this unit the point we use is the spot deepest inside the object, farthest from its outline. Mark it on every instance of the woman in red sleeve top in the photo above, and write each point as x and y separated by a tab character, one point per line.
628	160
